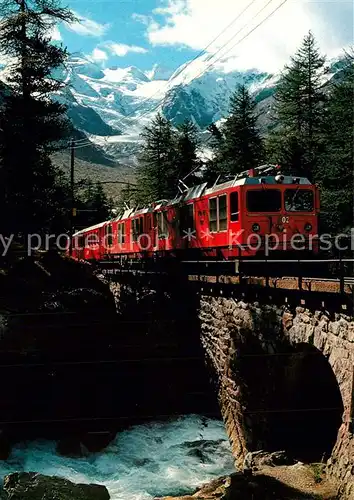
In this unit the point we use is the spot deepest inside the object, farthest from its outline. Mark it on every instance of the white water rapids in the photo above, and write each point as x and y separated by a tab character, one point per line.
143	462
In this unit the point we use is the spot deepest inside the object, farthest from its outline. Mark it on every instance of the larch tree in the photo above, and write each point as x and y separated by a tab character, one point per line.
241	146
300	103
94	205
32	123
156	177
187	160
335	168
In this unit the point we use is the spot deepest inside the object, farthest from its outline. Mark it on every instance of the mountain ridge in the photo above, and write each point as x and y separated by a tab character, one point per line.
110	106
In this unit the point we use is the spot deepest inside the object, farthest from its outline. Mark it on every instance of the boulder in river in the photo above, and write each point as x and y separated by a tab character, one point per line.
33	486
262	458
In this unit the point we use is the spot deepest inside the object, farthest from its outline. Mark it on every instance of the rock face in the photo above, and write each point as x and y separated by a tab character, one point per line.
32	486
55	318
288	482
262	458
284	377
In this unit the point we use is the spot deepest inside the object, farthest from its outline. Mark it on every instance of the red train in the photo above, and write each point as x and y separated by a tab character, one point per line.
254	213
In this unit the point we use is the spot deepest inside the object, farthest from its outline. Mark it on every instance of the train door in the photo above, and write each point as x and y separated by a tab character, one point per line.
160	230
150	231
145	234
100	250
122	236
80	245
187	226
155	238
218	220
234	222
108	239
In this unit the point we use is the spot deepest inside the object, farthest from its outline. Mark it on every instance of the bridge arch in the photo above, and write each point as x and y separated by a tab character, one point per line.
308	424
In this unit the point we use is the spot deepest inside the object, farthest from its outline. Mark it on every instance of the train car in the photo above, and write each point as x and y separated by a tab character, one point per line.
88	243
255	213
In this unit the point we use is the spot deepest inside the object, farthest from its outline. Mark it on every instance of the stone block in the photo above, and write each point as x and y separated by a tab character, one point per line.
288	320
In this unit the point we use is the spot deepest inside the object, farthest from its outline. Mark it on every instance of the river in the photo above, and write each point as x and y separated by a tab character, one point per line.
145	461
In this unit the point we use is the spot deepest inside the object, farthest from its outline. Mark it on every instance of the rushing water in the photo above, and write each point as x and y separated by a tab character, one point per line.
156	459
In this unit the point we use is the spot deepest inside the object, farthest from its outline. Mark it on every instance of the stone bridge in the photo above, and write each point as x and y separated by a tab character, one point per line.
282	362
284	378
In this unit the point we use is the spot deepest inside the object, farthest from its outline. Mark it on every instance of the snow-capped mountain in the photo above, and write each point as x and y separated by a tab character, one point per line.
126	98
111	106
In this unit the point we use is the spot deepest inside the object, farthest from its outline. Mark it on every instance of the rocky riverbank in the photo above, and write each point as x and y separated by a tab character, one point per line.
32	486
77	370
296	482
55	318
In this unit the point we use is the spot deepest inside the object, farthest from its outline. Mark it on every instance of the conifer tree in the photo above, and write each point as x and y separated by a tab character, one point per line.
157	179
212	168
32	124
335	167
300	99
241	146
187	161
94	205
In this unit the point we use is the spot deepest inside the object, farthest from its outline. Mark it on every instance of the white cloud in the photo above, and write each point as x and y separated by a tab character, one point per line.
142	19
121	50
87	27
98	55
55	34
194	23
146	21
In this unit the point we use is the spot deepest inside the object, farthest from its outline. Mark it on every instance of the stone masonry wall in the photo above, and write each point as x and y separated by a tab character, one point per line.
243	342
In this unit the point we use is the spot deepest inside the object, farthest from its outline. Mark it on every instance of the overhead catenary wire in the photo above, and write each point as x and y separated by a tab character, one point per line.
157	106
243	38
239	31
189	63
161	102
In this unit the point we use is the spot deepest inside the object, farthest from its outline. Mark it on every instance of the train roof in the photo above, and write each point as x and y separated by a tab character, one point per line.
287	180
91	228
202	190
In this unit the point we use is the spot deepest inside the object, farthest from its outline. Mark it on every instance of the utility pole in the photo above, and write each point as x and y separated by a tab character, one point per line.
72	194
128	193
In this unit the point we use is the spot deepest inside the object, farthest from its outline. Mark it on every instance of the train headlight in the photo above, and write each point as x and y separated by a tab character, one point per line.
308	227
256	228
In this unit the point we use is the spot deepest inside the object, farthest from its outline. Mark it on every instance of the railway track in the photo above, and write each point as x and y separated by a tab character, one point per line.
233	273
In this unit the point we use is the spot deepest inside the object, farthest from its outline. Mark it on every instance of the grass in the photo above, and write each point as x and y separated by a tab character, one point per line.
318	470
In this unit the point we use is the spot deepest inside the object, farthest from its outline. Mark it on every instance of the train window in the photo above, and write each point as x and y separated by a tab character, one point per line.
299	200
234	208
213	215
121	233
162	226
137	228
187	217
218	214
134	229
222	212
109	235
81	241
92	240
264	200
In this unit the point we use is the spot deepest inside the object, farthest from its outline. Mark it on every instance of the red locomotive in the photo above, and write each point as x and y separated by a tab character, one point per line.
249	215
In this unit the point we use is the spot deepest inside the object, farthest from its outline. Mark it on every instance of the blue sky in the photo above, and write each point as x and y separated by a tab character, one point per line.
170	32
119	24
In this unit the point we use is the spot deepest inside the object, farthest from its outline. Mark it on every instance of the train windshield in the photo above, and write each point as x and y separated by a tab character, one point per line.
299	200
264	200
